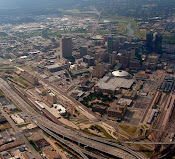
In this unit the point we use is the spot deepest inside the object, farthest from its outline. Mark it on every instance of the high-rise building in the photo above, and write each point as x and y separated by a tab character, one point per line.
110	44
51	98
99	70
66	47
83	51
158	44
112	59
149	42
89	60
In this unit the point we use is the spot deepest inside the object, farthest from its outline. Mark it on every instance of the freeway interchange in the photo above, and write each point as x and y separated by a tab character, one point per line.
63	134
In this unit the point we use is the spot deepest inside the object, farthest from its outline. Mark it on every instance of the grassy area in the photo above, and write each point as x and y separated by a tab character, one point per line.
169	39
20	80
100	129
122	138
143	34
134	26
52	34
122	28
140	133
23	125
28	68
129	129
89	133
123	22
147	132
144	150
1	93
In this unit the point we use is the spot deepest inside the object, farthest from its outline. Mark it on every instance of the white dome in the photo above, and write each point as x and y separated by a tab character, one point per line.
120	73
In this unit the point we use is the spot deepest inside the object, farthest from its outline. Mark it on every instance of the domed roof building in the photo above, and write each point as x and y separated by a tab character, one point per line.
121	74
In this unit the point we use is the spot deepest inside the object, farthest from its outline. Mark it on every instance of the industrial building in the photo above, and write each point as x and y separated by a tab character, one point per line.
29	77
168	84
152	115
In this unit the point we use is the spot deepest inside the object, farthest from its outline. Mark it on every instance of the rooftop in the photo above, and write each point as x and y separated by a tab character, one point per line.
112	83
120	73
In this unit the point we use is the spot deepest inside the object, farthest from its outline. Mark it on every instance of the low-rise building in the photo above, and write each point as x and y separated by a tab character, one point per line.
130	95
99	108
116	112
40	90
56	68
41	143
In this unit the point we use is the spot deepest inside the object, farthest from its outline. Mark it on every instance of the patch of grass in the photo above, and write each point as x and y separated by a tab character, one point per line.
129	129
20	80
1	93
122	138
89	133
100	129
122	28
147	132
46	134
28	68
144	150
23	125
143	34
140	132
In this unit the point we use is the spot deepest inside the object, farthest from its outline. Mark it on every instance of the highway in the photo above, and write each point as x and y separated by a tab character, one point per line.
64	132
68	144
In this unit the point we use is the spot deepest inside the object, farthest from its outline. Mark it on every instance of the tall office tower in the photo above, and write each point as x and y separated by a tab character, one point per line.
149	41
66	47
83	51
110	44
51	98
99	70
158	44
112	59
